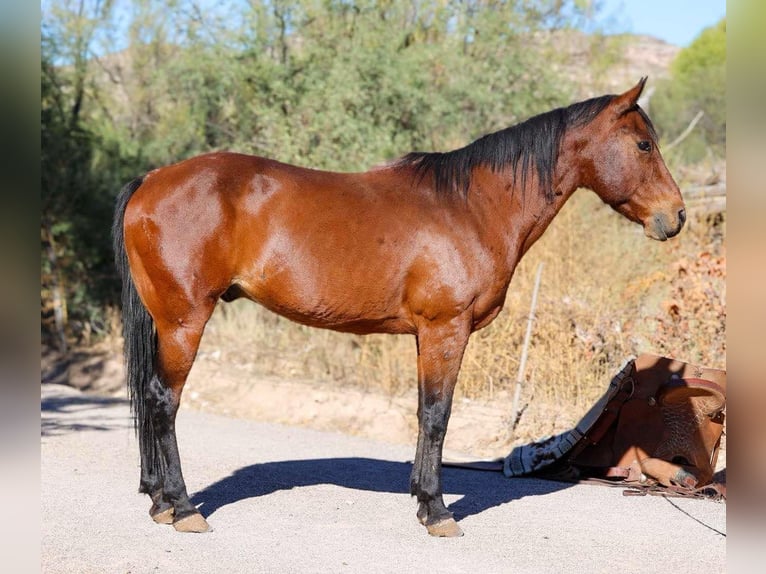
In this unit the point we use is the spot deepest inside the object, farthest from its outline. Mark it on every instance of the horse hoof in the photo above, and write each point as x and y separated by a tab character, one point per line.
446	528
164	517
192	523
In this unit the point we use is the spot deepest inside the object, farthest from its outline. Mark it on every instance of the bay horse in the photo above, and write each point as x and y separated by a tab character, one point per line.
425	245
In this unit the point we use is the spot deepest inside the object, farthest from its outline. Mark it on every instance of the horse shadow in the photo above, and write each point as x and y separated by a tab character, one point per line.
480	490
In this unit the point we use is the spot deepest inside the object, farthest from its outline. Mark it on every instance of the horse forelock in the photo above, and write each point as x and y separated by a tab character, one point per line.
535	141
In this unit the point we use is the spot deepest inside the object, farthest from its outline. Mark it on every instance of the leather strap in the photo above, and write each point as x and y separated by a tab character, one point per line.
607	418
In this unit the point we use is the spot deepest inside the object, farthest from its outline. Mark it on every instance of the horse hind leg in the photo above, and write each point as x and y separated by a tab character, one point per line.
178	342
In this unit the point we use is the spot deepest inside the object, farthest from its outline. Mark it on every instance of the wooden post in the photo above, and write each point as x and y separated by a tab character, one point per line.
517	411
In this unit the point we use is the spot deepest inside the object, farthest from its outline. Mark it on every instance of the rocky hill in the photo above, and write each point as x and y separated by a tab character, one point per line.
609	64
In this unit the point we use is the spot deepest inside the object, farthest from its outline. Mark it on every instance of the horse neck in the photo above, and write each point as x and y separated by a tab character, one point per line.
523	215
567	178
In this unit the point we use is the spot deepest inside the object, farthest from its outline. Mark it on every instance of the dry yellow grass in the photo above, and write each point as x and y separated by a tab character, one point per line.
607	293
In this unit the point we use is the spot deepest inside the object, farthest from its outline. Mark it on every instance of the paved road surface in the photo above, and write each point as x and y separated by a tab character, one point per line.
283	499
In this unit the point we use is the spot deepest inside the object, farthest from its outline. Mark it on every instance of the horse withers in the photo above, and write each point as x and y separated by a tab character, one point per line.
425	245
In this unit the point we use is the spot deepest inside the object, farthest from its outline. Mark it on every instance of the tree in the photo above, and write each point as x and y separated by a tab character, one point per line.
75	255
697	83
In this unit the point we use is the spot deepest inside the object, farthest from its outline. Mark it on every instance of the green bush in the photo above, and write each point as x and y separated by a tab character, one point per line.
697	83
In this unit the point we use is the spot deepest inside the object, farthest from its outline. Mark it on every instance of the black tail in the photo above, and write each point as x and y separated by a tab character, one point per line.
140	341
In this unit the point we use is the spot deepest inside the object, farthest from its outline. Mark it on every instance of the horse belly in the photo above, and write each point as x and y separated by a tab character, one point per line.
343	293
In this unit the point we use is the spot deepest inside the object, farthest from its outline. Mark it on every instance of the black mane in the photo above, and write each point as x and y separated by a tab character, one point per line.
535	140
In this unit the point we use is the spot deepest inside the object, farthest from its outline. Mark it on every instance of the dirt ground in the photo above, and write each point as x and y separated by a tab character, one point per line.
477	428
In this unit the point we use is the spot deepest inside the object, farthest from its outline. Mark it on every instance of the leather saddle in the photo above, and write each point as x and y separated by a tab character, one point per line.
659	424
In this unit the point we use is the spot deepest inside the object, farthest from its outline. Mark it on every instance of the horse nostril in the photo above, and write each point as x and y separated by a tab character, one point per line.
682	215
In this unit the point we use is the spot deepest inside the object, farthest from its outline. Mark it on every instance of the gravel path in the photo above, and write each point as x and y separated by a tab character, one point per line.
283	499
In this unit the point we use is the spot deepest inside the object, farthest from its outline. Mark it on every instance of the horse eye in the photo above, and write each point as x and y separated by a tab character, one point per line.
645	145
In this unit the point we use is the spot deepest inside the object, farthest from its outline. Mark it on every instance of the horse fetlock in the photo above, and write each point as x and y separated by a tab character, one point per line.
434	515
422	513
161	511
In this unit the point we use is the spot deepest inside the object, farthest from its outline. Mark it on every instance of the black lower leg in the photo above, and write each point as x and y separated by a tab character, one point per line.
172	489
425	482
152	462
417	464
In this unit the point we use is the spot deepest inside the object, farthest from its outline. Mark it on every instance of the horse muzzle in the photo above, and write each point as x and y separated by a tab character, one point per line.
662	226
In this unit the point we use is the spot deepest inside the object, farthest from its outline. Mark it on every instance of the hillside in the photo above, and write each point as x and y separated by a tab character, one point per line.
611	63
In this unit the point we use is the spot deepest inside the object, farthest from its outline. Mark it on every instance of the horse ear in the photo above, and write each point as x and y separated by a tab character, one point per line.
627	101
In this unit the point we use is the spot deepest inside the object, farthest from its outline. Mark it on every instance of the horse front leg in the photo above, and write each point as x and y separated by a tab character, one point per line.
440	352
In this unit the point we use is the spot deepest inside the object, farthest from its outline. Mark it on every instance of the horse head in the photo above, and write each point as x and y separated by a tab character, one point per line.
623	165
